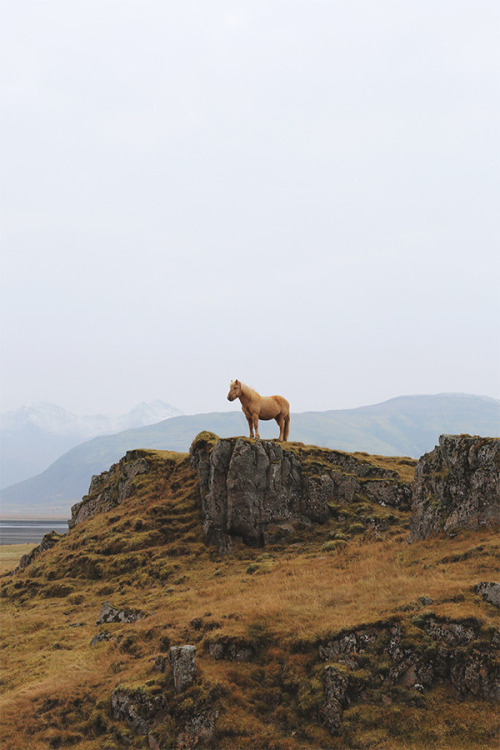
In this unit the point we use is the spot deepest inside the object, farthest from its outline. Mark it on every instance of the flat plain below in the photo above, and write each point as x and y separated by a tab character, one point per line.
10	554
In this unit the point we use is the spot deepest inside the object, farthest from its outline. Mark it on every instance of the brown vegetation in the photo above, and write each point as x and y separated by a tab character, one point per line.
281	602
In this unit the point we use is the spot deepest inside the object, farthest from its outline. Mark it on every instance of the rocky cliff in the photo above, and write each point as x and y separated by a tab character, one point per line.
457	485
258	490
340	635
110	488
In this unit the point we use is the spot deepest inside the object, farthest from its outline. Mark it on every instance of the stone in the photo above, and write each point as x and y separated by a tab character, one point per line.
462	653
140	711
336	687
489	591
110	488
182	659
256	490
199	732
113	614
105	635
231	648
48	541
457	485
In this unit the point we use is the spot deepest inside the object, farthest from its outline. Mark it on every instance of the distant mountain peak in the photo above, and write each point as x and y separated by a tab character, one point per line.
34	435
57	420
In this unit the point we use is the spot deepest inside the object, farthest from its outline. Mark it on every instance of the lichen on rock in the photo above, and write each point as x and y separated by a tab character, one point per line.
457	485
255	490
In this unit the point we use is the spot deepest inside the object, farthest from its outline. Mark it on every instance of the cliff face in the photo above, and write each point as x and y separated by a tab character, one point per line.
257	491
457	485
332	638
260	491
110	488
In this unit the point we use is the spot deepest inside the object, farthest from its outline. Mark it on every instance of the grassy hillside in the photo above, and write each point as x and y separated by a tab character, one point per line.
408	426
280	603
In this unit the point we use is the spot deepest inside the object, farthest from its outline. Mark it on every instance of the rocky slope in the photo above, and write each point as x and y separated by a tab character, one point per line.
253	595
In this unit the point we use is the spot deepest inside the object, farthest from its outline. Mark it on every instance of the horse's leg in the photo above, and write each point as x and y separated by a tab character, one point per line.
287	427
280	420
255	418
250	424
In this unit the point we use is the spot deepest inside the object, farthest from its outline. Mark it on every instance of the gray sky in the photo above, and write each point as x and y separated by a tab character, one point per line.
300	194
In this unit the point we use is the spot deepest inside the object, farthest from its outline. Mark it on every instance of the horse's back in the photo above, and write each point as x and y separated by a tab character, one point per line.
283	404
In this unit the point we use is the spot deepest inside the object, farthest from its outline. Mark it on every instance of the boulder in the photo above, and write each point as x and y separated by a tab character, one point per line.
490	591
139	710
457	485
113	614
182	659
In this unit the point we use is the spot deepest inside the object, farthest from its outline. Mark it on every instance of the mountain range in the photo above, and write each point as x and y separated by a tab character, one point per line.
403	426
35	435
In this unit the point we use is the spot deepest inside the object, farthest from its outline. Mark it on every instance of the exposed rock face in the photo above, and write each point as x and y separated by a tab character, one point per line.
253	489
105	635
199	732
47	542
458	652
490	591
140	711
113	614
110	488
231	648
457	485
183	663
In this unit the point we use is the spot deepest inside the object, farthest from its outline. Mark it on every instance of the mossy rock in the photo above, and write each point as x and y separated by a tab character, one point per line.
334	545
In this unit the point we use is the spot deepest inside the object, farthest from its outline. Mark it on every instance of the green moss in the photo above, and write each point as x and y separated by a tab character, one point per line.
357	528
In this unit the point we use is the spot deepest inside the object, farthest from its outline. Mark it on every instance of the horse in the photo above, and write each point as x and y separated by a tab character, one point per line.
257	407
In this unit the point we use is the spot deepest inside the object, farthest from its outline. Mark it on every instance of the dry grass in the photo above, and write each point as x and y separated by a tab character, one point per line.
10	554
56	686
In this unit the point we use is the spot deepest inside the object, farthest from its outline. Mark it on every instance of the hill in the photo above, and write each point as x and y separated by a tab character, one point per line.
408	425
144	628
35	435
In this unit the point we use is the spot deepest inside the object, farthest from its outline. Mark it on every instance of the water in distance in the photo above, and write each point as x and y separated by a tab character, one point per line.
29	532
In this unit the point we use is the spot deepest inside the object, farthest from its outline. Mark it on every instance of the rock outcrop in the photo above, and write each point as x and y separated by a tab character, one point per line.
434	650
109	613
110	488
48	541
255	490
182	659
490	591
457	485
140	710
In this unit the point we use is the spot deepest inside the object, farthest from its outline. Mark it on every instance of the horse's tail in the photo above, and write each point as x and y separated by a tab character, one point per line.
287	427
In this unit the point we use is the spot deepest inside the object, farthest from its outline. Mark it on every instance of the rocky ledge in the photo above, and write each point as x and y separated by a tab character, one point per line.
372	662
110	488
257	490
457	485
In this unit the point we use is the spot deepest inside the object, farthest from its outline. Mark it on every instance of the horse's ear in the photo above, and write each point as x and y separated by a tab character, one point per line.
237	382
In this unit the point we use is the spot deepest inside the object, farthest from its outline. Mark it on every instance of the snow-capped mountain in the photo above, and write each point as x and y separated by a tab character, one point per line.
33	436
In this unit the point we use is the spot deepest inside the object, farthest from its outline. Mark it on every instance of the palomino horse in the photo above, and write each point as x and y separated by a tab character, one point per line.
257	407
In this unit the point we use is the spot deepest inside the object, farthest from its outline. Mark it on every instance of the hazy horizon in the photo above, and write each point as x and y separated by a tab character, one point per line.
236	407
303	196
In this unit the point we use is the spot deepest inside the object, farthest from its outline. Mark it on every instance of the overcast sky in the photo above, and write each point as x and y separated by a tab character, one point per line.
302	194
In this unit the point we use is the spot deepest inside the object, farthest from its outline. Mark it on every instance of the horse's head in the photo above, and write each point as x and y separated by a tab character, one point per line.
234	390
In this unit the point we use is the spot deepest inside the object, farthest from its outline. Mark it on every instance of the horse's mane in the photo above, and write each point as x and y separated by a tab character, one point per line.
248	390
